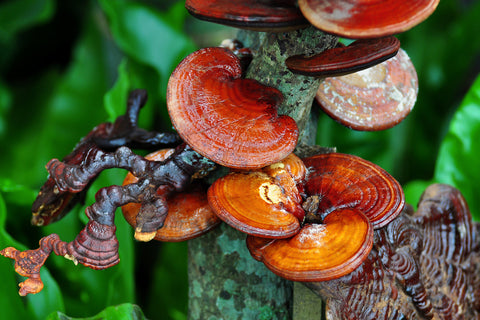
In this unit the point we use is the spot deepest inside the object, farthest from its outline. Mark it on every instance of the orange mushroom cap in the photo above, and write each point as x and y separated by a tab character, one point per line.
265	15
254	203
292	164
319	252
232	121
189	214
341	60
265	202
376	98
365	18
347	181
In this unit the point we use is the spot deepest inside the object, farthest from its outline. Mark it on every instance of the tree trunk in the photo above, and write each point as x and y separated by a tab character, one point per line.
225	282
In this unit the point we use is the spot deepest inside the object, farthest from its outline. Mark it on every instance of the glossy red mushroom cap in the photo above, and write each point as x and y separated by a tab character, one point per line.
358	19
264	15
341	60
337	181
230	120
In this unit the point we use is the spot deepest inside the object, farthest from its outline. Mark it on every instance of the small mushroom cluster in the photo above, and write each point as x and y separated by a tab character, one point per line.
309	220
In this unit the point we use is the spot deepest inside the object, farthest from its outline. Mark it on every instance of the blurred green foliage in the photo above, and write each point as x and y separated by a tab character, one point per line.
66	66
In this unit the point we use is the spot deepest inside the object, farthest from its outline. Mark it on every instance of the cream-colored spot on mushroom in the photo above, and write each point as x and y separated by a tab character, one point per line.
313	234
341	11
70	257
271	193
144	236
276	166
38	221
200	212
462	231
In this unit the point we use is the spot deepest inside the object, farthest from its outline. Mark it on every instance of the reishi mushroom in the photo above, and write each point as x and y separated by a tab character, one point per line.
230	120
344	199
265	15
189	214
336	181
341	60
319	252
373	99
265	203
358	19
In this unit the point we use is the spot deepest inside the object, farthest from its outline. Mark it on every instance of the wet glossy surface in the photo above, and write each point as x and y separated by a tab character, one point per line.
230	120
319	252
347	181
423	265
365	18
341	60
255	203
263	15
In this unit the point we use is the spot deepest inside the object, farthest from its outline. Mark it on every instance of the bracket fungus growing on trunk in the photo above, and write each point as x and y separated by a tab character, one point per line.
344	199
341	60
359	19
346	181
96	245
265	15
319	251
228	119
265	203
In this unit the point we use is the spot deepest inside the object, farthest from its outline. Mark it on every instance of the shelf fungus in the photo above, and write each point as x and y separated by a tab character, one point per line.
319	251
265	202
423	265
373	99
265	15
344	198
189	214
342	60
359	19
336	181
228	119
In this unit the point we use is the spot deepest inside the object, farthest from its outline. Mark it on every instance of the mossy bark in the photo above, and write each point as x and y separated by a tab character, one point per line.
225	281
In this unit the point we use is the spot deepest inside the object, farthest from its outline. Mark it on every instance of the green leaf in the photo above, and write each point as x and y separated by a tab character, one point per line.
16	193
169	285
149	36
53	113
413	190
133	75
5	104
114	100
50	116
16	15
457	162
121	312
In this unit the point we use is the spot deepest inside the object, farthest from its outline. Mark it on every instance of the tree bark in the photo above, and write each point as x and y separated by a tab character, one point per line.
225	281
